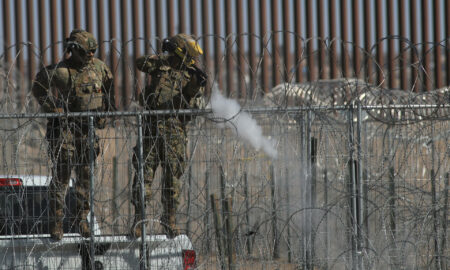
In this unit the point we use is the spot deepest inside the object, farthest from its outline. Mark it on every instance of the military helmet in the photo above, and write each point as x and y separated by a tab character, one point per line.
183	45
82	39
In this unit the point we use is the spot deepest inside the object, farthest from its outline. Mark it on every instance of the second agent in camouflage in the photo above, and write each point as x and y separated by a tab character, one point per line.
81	83
176	83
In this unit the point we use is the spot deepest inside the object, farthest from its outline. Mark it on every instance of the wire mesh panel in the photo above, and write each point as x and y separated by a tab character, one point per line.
343	188
327	174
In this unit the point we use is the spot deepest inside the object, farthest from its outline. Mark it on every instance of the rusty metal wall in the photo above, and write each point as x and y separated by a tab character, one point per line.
249	45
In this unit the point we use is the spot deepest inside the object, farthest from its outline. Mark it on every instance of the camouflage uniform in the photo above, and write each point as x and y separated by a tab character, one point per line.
174	85
78	86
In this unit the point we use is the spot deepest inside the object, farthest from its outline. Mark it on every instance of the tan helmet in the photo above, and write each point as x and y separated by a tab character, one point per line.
183	45
82	39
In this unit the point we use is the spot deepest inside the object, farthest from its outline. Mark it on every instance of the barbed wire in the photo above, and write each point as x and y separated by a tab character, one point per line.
345	146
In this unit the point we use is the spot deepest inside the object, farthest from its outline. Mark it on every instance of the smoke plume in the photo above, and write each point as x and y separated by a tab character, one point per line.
228	113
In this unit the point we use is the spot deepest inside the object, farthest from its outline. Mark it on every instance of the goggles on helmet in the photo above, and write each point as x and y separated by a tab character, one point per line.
73	45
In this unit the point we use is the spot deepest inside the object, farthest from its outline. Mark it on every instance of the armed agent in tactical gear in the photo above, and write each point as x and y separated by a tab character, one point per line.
176	83
77	84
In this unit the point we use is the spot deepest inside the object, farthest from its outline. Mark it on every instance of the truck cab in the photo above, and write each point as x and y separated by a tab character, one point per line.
25	241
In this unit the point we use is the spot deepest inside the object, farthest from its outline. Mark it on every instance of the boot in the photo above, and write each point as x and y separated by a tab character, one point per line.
169	224
56	226
83	225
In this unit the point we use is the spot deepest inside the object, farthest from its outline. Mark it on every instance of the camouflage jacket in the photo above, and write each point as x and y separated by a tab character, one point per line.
173	85
77	89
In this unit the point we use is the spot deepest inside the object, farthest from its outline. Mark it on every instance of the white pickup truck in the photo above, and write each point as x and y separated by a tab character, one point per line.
26	244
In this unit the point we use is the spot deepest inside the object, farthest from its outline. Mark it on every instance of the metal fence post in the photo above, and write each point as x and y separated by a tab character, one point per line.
325	201
305	126
143	254
222	196
276	254
288	217
115	186
308	195
189	200
392	217
91	190
218	229
304	240
247	212
312	161
207	197
229	228
392	193
206	218
325	195
435	206
444	219
130	186
360	188
354	194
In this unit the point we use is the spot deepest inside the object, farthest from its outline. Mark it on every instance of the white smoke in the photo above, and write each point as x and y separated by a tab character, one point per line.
228	113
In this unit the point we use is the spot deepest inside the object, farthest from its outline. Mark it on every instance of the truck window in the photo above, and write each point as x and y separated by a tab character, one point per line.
25	210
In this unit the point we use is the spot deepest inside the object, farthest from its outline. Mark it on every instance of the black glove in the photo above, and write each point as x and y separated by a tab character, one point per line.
202	78
53	105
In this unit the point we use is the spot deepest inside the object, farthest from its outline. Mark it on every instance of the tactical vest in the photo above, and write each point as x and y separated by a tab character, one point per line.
165	90
86	91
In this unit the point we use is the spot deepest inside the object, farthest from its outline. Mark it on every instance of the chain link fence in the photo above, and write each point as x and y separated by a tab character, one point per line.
340	194
326	174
